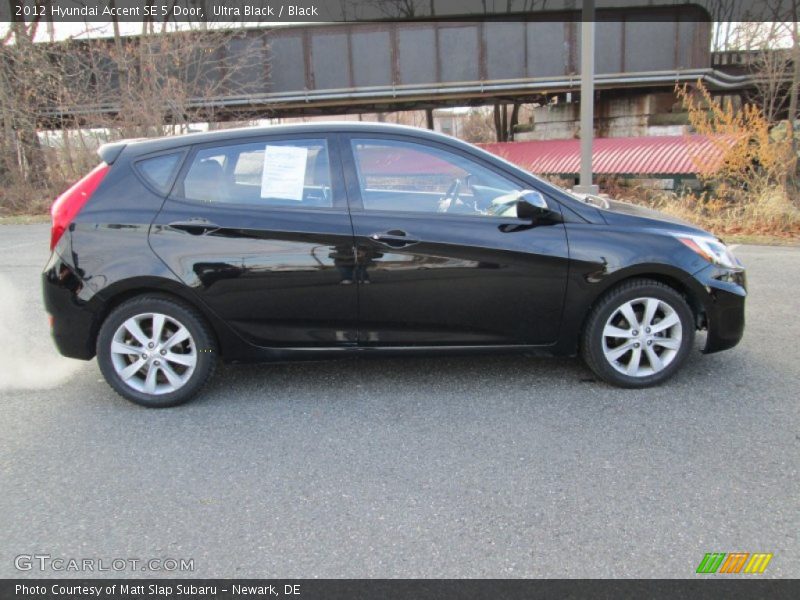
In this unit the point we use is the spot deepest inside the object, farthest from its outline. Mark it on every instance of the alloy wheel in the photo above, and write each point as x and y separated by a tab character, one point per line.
642	337
153	353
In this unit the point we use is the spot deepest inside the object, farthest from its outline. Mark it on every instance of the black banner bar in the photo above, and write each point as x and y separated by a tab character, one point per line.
397	589
320	11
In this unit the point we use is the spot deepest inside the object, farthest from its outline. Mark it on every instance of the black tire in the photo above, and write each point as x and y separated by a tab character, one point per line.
592	342
202	340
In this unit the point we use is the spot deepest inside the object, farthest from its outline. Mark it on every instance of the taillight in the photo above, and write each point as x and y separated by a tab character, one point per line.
68	204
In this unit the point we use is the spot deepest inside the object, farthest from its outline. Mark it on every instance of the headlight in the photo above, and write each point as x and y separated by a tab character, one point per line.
710	249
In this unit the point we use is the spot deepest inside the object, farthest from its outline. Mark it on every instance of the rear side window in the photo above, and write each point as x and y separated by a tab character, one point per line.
159	170
292	173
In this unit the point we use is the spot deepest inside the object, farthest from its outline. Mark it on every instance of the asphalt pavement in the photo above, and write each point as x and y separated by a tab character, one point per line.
412	467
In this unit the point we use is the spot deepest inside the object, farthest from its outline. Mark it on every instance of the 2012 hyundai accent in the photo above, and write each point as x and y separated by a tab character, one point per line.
304	241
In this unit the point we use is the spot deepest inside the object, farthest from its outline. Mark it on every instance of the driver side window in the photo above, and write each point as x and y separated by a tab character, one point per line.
410	177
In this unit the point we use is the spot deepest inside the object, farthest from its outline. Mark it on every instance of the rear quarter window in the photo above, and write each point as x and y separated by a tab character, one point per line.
160	170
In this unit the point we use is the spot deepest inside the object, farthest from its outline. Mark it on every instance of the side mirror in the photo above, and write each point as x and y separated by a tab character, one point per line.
531	205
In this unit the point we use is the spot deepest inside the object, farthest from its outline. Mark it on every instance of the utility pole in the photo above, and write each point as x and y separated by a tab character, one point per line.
587	98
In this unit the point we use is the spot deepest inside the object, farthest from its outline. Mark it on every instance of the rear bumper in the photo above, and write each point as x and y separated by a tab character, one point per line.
73	322
726	290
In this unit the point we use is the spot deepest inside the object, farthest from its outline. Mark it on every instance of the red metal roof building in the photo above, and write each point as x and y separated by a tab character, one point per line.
667	156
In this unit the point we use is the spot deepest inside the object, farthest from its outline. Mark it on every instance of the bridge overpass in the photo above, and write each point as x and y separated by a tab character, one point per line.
386	66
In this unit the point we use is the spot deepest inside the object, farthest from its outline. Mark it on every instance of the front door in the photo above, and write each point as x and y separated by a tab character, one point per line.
442	258
260	231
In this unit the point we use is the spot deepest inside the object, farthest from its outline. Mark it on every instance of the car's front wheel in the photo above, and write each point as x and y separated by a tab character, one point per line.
638	334
155	351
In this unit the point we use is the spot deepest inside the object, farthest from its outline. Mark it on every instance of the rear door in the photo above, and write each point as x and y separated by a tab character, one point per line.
442	258
259	229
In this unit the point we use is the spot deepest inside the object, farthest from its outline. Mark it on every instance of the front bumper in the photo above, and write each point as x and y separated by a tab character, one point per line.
723	304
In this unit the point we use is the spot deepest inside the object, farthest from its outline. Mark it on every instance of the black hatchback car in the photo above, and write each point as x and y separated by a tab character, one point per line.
303	241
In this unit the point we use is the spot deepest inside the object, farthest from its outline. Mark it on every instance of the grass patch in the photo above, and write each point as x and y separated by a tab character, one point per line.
24	201
768	217
761	240
24	219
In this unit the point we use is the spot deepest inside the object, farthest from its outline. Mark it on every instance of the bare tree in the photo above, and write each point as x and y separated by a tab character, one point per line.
478	126
127	86
771	67
771	53
795	87
21	79
400	9
503	123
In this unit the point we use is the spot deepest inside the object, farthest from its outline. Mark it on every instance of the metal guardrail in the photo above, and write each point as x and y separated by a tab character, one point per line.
716	80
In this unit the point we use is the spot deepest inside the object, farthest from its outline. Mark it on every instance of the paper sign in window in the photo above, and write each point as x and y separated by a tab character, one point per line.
284	172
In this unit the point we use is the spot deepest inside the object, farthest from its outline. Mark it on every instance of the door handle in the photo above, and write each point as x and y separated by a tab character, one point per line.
195	226
395	238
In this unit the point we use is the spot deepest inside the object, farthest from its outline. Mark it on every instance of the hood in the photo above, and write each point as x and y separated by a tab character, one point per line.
624	213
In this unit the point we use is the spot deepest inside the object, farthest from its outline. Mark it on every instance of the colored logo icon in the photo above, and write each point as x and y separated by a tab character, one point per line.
734	562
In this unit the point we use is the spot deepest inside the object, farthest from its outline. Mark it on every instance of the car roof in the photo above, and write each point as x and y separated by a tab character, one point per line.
149	145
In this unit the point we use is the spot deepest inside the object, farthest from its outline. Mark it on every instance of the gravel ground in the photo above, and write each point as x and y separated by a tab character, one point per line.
457	467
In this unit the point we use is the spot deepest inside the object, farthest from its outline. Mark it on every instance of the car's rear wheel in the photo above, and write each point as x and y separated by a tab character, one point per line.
638	334
155	351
